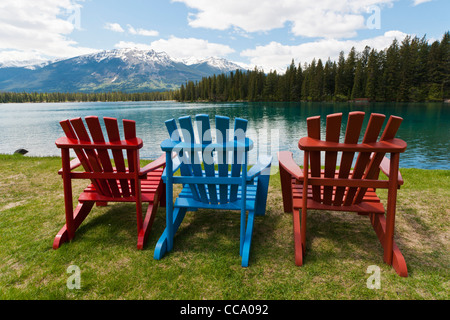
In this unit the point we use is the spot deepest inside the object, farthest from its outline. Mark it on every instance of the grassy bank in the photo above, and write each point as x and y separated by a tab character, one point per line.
205	263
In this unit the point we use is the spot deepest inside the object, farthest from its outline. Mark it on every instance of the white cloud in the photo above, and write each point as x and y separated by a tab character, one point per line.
276	56
19	58
114	27
191	47
417	2
319	18
133	45
181	48
131	30
142	32
39	29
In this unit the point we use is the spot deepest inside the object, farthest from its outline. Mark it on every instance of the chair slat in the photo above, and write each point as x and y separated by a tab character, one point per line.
186	124
222	125
313	125
240	128
204	131
92	157
129	129
112	128
373	169
70	133
171	126
354	125
97	136
371	135
185	168
333	130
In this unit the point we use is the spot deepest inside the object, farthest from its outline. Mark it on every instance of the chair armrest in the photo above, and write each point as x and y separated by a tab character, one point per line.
171	145
386	146
385	167
130	144
176	164
261	167
288	164
75	163
161	161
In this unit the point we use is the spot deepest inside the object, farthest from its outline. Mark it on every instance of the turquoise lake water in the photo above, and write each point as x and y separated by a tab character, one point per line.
272	126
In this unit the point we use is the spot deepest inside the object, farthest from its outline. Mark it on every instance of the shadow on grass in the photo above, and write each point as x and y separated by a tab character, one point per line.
336	237
215	233
112	226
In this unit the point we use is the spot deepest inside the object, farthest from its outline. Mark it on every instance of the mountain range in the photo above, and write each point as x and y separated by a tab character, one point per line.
126	70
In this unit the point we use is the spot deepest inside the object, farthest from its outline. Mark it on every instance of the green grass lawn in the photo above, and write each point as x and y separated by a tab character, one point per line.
205	262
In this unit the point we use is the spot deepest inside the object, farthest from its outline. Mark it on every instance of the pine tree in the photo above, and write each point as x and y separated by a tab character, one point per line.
349	72
392	71
270	85
317	82
339	84
373	75
297	86
445	64
358	82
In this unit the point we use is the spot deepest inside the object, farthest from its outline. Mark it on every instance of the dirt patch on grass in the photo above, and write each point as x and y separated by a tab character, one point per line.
12	205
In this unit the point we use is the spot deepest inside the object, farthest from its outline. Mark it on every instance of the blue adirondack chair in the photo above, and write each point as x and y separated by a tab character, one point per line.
208	188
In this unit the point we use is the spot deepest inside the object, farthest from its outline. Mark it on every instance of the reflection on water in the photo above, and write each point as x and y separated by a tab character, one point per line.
273	126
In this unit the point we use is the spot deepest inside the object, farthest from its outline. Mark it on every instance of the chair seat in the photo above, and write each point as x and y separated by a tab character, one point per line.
186	199
370	204
149	186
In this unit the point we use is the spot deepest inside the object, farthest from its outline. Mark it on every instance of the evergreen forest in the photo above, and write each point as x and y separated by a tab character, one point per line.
412	70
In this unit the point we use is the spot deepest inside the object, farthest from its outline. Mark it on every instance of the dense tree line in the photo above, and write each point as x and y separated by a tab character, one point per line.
84	97
412	70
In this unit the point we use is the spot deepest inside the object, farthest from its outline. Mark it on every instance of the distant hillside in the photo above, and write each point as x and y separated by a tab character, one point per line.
126	70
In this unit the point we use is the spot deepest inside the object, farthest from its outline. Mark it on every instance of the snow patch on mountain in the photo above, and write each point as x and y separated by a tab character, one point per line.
220	63
129	55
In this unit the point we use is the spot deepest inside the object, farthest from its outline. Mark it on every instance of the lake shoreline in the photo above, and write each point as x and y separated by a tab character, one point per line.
274	126
145	159
447	101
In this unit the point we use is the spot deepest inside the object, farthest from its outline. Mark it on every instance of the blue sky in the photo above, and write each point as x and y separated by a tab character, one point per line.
265	33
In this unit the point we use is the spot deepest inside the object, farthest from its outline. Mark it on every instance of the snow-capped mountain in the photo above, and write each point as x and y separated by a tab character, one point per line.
128	70
129	55
219	63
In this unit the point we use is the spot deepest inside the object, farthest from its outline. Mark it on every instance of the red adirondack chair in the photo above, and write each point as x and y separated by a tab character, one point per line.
343	188
107	183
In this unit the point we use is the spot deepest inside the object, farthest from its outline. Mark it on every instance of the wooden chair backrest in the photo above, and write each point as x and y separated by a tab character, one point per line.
367	162
95	157
191	164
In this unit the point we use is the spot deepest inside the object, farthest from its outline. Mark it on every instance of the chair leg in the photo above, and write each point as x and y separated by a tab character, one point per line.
80	213
149	218
161	245
147	226
162	193
248	239
298	238
261	194
398	261
286	189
